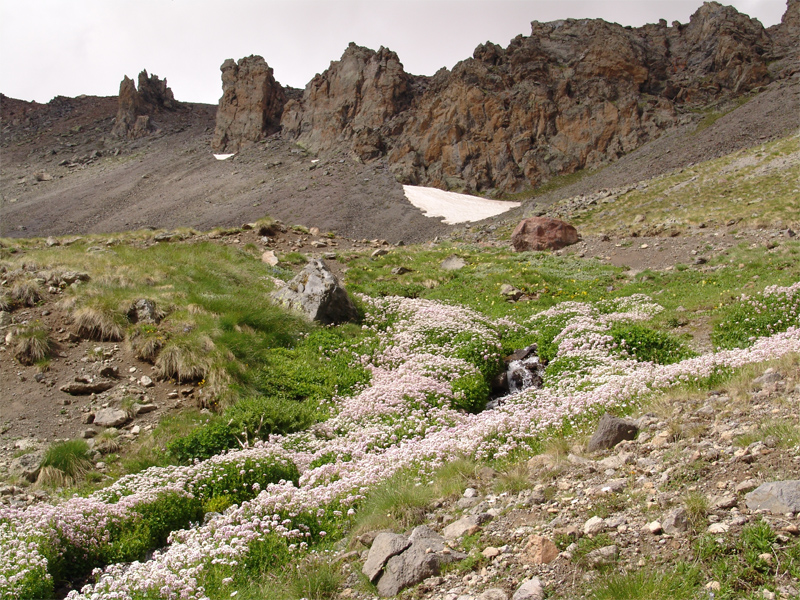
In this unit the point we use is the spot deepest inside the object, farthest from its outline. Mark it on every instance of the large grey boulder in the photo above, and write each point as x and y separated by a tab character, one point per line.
385	546
777	497
407	569
610	432
531	589
28	465
317	293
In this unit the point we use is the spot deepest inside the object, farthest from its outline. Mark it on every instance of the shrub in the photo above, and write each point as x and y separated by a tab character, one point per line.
648	345
470	393
249	420
237	482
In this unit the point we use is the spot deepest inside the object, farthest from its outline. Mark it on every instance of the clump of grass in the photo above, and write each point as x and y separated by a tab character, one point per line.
267	226
514	479
26	292
5	302
315	579
786	434
696	505
398	504
98	323
146	341
679	583
32	344
185	359
65	463
107	441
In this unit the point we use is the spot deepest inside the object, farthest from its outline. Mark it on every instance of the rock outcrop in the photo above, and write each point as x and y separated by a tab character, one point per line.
576	93
352	101
136	107
251	104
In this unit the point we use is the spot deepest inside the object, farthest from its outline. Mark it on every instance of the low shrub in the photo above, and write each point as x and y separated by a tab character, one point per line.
648	345
248	420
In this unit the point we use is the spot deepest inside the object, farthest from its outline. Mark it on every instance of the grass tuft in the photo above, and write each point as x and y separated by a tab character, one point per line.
98	324
26	292
31	344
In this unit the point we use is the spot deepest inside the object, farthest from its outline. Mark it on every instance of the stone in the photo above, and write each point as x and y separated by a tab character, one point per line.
269	258
601	557
676	521
79	388
5	318
110	371
28	465
146	382
593	526
540	550
543	233
317	294
143	409
145	310
490	552
400	270
530	589
493	594
464	526
654	527
426	537
110	417
453	263
777	497
718	528
88	433
407	569
510	292
611	431
384	547
251	104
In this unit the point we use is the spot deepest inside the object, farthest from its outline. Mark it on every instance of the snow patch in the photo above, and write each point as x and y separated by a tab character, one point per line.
455	208
223	156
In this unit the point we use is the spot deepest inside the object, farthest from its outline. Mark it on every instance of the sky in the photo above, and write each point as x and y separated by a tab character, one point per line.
72	47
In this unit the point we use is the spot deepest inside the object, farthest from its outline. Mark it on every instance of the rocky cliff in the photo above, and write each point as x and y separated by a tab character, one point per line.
573	94
251	104
136	107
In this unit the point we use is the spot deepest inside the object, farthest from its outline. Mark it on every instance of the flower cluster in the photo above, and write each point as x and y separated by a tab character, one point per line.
405	417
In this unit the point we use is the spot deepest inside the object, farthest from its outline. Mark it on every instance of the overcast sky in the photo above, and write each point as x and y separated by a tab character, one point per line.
72	47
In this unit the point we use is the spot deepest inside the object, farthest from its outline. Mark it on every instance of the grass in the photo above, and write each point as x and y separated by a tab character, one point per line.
755	185
65	463
784	434
678	583
32	344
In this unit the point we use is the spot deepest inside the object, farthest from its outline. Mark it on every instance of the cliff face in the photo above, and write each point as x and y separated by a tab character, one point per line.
575	93
251	104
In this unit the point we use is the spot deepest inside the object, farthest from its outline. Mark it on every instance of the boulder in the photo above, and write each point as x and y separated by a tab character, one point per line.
464	526
145	310
384	547
407	569
28	465
251	105
777	497
317	293
543	233
610	432
110	417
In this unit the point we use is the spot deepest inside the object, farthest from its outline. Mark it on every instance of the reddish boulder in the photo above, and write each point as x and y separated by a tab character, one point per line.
542	233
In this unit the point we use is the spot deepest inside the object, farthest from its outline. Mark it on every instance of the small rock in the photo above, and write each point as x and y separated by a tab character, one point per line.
269	258
146	382
400	270
676	521
531	589
602	556
76	388
491	552
453	263
593	526
111	371
722	502
379	252
493	594
142	409
718	528
654	527
540	550
464	526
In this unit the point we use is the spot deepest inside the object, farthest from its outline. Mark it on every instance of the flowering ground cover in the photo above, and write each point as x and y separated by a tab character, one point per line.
430	364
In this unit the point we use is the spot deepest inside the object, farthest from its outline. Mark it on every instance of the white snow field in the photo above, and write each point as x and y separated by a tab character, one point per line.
455	208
